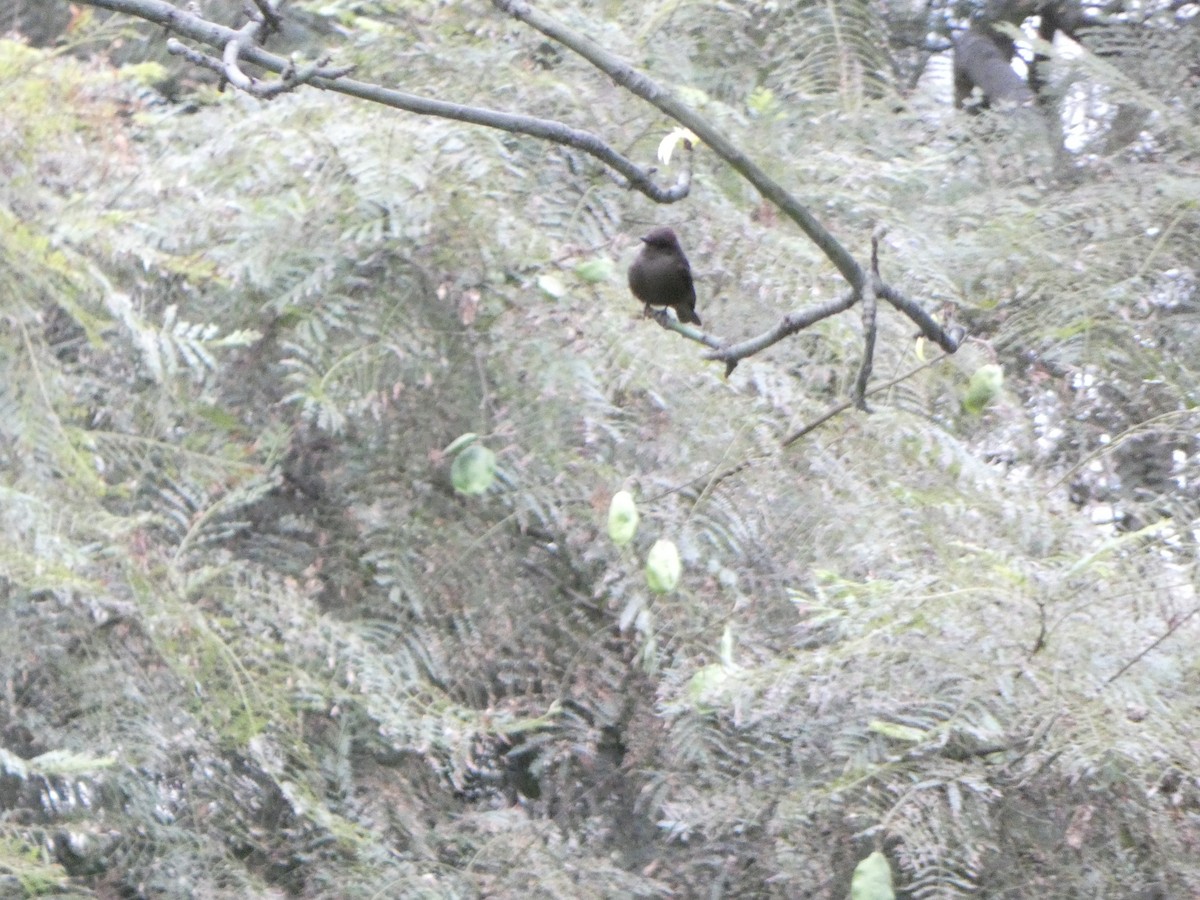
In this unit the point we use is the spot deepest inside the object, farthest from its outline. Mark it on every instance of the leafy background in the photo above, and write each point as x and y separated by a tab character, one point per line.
253	642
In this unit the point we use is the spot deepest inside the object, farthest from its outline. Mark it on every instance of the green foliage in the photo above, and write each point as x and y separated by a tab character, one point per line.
622	518
983	388
872	879
595	270
24	873
473	470
254	641
663	567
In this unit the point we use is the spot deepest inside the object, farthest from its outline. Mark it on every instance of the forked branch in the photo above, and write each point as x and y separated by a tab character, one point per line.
193	28
239	47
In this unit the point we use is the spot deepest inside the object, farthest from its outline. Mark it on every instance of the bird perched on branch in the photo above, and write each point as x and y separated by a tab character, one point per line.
661	276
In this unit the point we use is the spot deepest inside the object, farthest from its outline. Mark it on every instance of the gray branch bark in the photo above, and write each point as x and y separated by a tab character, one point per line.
201	31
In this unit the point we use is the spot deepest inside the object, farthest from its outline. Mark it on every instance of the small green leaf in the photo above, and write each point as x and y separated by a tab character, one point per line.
872	879
622	518
663	567
473	470
898	732
983	388
595	270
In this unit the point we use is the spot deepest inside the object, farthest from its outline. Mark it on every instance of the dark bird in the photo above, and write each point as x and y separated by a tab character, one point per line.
661	276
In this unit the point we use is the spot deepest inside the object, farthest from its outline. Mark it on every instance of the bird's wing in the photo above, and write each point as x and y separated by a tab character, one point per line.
689	286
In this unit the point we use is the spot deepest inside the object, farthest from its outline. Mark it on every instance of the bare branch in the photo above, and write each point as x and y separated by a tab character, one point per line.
289	79
788	325
202	31
947	340
870	332
664	100
1174	627
670	323
869	315
246	36
270	17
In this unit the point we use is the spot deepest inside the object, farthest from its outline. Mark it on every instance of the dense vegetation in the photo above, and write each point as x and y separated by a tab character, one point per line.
254	643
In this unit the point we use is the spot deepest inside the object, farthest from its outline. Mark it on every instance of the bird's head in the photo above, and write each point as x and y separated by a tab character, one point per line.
662	238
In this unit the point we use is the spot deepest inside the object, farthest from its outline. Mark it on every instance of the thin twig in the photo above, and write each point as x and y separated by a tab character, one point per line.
842	407
869	319
670	323
1170	631
714	480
